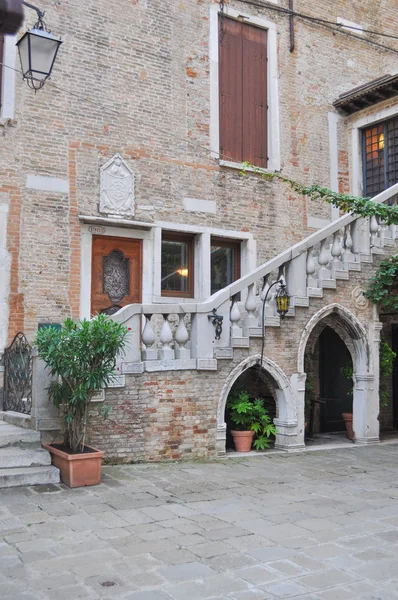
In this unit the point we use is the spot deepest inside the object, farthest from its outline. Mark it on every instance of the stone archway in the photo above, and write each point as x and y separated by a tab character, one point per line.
364	356
287	418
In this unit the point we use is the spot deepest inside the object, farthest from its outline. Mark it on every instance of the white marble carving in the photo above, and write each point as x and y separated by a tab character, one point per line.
117	188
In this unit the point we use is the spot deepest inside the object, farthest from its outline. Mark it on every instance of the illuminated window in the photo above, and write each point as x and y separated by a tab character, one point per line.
380	157
177	265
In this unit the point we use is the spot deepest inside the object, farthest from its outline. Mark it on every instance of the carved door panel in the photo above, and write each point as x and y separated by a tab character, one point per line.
116	273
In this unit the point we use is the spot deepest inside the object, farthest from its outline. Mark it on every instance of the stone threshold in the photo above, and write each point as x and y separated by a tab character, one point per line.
312	448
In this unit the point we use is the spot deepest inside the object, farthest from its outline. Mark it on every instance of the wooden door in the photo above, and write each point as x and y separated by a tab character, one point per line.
116	273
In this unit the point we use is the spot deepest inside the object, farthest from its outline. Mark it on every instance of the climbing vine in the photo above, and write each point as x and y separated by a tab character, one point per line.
363	207
380	286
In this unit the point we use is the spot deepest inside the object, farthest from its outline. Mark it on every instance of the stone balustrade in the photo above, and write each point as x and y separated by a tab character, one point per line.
183	336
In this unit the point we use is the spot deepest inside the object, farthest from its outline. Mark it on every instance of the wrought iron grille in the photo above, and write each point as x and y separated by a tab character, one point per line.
380	156
18	375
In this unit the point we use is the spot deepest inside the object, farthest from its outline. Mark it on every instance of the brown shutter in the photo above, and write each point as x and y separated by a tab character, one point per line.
230	82
243	92
255	95
1	67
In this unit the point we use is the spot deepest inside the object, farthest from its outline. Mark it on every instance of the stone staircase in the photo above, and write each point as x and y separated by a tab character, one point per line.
180	336
22	460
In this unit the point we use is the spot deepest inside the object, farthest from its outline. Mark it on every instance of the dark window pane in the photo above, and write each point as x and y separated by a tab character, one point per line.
223	267
175	266
380	157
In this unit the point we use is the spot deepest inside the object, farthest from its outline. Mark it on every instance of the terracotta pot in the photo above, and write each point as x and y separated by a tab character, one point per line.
348	423
77	470
243	440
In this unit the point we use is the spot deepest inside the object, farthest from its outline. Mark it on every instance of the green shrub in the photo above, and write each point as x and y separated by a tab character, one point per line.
251	415
82	357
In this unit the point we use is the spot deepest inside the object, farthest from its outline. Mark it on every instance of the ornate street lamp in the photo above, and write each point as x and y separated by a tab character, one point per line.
282	299
38	49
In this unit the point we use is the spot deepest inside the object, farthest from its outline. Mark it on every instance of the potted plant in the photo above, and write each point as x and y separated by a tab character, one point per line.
81	356
249	418
386	364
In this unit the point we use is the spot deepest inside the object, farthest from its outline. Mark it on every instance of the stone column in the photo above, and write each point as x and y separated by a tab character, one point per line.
366	403
45	416
290	423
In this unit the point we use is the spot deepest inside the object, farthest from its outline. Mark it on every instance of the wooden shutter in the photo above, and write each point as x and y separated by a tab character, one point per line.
1	68
243	92
230	82
254	46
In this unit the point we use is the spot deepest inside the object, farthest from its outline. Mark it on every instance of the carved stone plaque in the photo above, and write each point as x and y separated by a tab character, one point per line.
117	188
358	298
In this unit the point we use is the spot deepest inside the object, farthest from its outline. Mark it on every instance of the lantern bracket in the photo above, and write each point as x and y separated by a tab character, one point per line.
40	15
217	322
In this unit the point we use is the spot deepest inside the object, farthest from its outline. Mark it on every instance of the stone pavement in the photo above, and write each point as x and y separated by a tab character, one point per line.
317	526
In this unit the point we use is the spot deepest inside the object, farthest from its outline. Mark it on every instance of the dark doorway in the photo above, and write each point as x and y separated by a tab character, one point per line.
394	331
335	387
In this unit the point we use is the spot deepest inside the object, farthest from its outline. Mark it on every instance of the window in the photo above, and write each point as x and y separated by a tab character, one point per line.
380	157
243	92
1	68
225	263
177	265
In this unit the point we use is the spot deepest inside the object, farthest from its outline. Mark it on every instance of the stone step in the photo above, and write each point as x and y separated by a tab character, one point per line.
28	476
17	419
14	457
17	436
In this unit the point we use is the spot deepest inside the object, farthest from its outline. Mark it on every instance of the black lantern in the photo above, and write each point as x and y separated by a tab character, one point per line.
282	300
38	49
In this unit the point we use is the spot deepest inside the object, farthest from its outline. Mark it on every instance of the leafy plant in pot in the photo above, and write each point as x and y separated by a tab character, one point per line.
249	418
81	357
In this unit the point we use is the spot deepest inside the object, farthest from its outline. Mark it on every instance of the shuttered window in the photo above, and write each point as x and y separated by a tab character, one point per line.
1	68
243	92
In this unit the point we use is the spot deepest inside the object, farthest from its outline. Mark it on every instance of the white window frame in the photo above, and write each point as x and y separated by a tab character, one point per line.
273	128
358	124
7	109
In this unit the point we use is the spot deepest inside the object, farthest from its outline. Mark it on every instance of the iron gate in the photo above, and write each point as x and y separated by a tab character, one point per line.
18	375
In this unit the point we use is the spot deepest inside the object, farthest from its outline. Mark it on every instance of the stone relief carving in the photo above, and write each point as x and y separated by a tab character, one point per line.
117	188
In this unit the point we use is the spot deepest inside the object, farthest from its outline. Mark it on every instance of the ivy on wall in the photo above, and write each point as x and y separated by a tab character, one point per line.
363	207
380	286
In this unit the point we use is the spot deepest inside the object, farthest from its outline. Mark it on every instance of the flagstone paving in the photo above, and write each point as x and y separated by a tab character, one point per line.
317	526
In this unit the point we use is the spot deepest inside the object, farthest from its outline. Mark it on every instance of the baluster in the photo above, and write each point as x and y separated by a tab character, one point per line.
348	255
311	269
250	306
182	337
149	338
383	233
336	252
166	338
268	310
236	331
374	229
393	227
323	260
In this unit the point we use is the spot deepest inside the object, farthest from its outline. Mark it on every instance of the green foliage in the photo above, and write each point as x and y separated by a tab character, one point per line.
387	357
82	357
379	287
386	364
363	207
251	415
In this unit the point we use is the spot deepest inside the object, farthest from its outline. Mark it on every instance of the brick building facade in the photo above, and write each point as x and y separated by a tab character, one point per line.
128	144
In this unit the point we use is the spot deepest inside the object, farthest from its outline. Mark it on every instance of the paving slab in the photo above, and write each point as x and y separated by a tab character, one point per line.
316	526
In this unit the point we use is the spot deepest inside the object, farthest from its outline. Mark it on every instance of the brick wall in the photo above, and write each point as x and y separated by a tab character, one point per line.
146	69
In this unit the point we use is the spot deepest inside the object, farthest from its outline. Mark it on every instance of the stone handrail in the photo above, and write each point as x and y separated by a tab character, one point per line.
193	342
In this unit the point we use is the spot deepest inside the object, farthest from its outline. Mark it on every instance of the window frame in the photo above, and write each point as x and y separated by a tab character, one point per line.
273	128
174	236
235	245
385	150
7	78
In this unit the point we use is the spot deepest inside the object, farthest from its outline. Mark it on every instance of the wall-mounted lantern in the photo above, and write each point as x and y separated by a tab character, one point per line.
38	49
